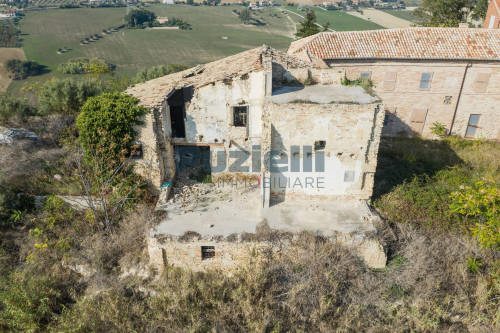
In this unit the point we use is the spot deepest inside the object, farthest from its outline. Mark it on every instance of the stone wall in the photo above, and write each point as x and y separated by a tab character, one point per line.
398	85
351	135
236	253
149	165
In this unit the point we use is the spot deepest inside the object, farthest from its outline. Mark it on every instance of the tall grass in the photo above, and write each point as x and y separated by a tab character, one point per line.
415	178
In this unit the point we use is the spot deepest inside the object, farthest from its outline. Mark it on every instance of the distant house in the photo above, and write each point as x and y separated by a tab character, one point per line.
9	13
162	20
168	2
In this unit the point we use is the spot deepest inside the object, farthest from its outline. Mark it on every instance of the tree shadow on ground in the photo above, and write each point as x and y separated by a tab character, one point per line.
400	159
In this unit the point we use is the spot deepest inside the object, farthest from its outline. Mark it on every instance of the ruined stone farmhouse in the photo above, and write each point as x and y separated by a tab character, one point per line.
422	75
232	113
285	144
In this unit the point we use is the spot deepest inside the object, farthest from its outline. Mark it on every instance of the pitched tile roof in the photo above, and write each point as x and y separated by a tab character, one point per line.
405	43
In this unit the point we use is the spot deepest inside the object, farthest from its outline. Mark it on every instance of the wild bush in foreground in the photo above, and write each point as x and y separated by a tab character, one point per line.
420	190
316	287
67	96
106	122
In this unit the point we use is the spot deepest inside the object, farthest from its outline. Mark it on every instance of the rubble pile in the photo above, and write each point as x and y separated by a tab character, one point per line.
186	190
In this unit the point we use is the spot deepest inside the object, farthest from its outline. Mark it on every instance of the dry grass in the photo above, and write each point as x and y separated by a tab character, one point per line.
317	287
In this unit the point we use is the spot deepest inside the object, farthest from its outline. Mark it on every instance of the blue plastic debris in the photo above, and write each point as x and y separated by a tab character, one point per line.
167	184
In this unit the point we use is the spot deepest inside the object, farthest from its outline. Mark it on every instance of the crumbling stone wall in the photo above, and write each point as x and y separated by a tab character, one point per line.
351	134
149	166
236	251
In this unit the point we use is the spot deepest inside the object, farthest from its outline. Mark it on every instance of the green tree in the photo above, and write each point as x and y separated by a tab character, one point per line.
22	69
138	17
479	12
449	13
308	27
151	73
245	15
66	96
105	123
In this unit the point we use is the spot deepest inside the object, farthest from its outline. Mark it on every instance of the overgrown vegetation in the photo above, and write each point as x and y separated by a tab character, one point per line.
449	185
151	73
82	65
438	276
364	83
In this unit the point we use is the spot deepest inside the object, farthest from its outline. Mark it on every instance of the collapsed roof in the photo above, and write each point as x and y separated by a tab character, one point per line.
153	93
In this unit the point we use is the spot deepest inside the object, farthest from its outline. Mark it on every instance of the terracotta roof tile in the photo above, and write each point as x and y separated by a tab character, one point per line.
407	43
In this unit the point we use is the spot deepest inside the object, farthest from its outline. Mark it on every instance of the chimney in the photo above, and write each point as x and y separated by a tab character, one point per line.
463	25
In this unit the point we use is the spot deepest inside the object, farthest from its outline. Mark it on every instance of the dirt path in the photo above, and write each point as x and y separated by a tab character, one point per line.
6	54
382	18
288	11
293	27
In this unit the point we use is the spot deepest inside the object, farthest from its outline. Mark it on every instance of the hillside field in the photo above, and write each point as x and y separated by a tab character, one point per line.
339	21
216	32
402	14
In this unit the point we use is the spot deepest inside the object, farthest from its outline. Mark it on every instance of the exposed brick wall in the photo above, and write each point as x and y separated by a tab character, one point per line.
492	20
405	94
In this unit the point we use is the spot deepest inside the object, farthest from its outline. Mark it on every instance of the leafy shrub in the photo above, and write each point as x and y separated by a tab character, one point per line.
480	200
106	121
66	96
201	176
11	108
178	22
158	71
364	83
438	129
29	302
474	265
418	180
82	65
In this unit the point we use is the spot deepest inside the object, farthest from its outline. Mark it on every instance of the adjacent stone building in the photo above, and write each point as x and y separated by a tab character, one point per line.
492	20
422	75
